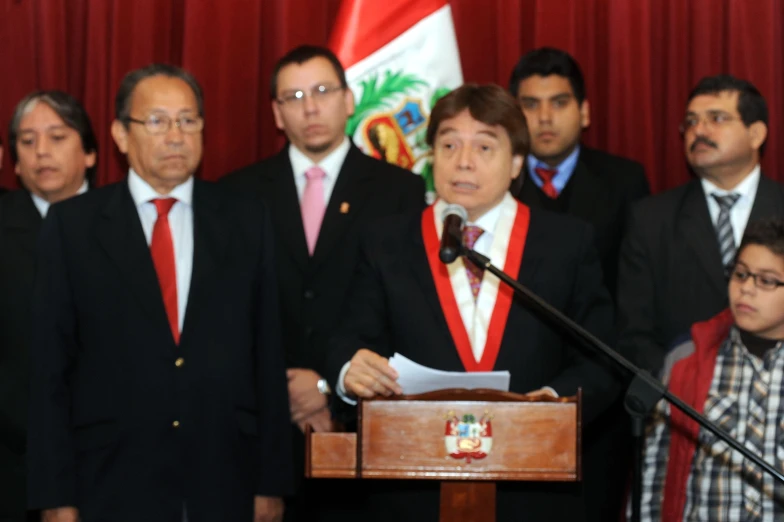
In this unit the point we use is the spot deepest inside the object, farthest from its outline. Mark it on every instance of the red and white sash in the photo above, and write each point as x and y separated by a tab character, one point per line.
478	327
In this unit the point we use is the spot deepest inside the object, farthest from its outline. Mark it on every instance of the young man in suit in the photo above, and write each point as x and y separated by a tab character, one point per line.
677	253
158	383
405	300
53	148
562	175
321	191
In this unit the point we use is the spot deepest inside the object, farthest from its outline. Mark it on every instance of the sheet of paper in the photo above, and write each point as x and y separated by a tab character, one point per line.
415	378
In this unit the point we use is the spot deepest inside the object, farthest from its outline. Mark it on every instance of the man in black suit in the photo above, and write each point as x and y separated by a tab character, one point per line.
675	257
404	300
321	191
564	176
53	148
158	383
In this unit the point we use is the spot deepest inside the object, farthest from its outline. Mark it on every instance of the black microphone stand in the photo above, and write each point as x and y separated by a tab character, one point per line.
643	392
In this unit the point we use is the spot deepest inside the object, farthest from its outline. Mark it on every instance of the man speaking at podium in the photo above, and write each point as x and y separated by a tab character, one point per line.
455	318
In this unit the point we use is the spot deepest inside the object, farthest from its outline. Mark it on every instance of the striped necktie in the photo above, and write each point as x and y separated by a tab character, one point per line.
724	232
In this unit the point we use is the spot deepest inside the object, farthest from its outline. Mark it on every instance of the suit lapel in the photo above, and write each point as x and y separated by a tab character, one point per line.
22	219
700	235
528	193
344	205
588	193
768	201
416	259
210	239
120	234
280	194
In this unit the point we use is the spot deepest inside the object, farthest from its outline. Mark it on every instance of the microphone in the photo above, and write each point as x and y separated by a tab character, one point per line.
452	236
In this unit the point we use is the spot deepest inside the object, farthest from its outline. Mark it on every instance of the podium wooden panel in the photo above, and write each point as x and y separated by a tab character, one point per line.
467	439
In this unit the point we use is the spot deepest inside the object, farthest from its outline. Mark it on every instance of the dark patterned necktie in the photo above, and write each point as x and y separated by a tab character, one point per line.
470	234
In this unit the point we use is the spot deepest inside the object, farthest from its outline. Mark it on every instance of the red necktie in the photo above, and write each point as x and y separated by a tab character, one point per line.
162	250
470	234
547	176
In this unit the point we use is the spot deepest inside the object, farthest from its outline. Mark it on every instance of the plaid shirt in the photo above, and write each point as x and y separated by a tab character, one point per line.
745	399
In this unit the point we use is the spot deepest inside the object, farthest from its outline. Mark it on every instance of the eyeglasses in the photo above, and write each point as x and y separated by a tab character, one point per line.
712	119
161	124
318	93
761	281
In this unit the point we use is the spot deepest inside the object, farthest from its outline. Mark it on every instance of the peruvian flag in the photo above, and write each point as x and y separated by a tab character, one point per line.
400	57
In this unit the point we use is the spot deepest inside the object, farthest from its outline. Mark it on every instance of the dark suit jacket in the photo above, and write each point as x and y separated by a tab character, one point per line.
313	289
19	226
105	387
601	191
394	307
670	273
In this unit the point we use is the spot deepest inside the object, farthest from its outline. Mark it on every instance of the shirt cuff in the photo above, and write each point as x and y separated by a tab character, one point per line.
341	390
555	393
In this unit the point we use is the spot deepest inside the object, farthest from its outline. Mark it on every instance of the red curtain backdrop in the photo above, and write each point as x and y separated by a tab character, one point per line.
640	59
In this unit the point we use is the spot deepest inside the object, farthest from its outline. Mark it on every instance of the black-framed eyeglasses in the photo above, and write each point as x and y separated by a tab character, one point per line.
712	120
761	281
156	124
319	92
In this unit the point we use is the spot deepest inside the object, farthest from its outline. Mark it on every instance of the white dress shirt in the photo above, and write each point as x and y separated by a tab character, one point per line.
741	210
43	206
181	224
331	166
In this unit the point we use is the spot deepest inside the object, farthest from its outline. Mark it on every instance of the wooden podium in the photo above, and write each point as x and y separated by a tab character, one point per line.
467	439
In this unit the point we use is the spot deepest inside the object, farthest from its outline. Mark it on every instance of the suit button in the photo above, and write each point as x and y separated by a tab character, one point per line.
179	362
309	294
176	424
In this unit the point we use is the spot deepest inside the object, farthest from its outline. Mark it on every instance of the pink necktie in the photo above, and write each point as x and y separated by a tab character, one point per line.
312	205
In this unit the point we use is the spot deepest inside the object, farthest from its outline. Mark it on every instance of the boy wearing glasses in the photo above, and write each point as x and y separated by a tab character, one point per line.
732	371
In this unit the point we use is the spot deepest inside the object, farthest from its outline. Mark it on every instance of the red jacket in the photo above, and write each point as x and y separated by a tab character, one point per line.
690	379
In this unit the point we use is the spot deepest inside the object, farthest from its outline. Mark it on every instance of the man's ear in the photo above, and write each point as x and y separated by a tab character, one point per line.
120	136
585	114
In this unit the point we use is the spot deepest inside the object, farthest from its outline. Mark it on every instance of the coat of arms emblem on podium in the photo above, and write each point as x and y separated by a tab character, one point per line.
468	438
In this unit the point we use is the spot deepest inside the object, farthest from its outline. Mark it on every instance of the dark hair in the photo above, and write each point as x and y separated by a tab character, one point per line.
490	104
69	110
768	232
547	61
122	102
752	106
302	54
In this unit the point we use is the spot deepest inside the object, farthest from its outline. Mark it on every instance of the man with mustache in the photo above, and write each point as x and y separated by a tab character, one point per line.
53	150
681	244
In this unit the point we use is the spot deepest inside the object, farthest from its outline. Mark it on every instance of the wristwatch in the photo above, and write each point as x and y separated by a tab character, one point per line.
323	387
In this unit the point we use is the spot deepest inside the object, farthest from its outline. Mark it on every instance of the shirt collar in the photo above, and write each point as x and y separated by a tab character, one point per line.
746	188
331	165
142	192
487	221
43	206
566	166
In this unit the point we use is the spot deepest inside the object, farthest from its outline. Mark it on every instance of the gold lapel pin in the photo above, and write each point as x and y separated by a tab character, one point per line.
344	207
